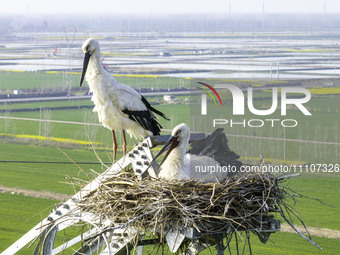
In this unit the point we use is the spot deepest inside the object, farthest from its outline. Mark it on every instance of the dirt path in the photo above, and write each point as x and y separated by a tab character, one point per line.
33	193
321	232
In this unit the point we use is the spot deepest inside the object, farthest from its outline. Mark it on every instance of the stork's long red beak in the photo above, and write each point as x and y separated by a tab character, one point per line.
85	64
170	145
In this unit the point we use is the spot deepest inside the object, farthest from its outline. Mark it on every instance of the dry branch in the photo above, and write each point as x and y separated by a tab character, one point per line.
243	202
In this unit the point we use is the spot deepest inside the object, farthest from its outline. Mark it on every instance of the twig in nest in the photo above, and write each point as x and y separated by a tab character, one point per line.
243	202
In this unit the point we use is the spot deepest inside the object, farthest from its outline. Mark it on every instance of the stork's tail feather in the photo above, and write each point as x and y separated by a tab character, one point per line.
144	119
147	104
159	113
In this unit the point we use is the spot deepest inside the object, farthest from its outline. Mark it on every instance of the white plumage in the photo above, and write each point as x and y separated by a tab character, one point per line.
178	165
119	106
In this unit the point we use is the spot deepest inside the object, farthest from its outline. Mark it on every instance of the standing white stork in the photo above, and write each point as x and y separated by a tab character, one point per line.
119	106
178	165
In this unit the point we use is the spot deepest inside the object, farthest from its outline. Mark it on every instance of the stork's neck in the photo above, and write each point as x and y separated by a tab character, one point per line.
95	66
174	163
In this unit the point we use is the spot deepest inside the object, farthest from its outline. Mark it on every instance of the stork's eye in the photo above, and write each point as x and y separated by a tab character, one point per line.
178	132
88	48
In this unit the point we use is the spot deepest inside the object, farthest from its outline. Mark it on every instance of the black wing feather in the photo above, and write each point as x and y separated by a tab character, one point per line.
145	118
147	104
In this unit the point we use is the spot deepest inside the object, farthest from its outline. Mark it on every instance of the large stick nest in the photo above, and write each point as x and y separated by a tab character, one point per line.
241	202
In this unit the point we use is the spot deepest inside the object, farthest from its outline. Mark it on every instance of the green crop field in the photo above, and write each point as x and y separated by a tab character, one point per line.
58	80
320	128
311	129
44	176
30	80
46	104
18	215
319	186
176	113
23	140
18	221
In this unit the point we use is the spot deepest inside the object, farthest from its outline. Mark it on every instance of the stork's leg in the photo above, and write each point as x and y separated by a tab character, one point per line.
124	143
114	145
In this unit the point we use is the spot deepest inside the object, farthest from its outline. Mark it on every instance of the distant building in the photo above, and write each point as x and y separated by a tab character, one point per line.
165	54
168	98
17	92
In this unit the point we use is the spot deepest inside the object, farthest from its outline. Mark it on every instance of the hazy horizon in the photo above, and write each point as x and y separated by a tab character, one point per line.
154	7
85	23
